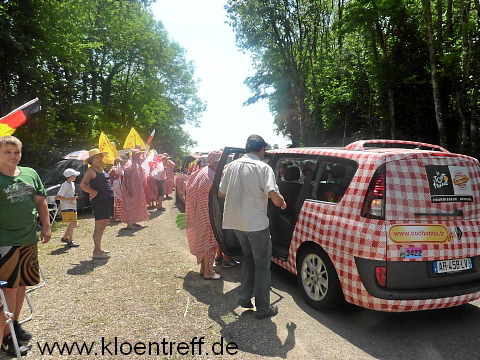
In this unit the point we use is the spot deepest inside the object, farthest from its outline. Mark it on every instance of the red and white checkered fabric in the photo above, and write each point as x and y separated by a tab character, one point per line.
344	234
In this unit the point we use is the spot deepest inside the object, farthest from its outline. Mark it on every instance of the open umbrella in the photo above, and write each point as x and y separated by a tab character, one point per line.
79	155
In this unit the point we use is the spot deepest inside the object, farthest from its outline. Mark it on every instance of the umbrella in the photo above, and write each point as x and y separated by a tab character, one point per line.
79	155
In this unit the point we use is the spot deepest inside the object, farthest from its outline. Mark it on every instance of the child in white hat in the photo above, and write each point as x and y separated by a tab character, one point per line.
68	205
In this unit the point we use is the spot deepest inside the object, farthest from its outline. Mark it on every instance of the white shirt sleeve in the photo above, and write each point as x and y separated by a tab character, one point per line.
63	189
270	183
224	181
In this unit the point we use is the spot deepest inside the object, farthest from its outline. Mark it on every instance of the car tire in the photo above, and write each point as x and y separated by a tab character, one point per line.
318	280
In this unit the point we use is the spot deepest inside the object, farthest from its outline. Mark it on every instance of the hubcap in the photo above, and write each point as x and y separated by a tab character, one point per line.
314	277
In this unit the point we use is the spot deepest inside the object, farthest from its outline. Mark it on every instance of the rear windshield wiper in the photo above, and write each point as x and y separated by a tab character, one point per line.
455	213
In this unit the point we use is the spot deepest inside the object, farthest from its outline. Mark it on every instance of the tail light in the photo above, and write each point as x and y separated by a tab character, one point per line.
381	275
374	204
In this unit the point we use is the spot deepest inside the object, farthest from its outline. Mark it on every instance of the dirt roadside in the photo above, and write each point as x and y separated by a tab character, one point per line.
147	297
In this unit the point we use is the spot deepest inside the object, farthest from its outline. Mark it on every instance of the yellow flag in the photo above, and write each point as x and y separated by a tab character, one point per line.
105	145
133	139
6	130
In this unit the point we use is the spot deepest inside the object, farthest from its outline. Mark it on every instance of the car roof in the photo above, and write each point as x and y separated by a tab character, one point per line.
373	150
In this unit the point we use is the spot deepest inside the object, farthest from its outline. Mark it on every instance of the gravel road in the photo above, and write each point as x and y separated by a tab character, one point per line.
148	298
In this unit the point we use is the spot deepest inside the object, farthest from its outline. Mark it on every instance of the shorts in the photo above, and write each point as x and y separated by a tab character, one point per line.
103	209
161	187
19	265
69	215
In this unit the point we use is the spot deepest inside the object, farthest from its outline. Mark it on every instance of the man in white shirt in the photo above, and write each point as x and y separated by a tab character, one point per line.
247	184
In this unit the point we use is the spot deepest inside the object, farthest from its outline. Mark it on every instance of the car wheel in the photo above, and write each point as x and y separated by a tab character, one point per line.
318	280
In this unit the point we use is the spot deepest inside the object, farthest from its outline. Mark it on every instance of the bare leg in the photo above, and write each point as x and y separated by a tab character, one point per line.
19	302
69	232
11	298
208	272
207	261
202	267
100	226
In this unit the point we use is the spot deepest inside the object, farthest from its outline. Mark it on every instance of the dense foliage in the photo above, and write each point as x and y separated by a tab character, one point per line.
337	71
95	65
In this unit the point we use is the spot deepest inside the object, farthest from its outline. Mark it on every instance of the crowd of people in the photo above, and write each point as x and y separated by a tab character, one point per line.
124	194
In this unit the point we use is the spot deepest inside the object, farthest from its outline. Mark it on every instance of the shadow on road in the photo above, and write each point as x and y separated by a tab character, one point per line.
180	206
60	250
128	232
250	335
86	266
450	333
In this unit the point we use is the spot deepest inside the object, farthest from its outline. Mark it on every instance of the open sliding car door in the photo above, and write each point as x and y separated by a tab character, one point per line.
227	239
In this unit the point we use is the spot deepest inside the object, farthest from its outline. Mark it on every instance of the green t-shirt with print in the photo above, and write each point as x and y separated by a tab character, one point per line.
18	207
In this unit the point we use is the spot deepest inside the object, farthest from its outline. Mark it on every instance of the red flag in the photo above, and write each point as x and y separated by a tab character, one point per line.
149	142
150	138
18	117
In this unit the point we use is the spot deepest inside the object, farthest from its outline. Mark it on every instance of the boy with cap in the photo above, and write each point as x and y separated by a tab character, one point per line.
68	204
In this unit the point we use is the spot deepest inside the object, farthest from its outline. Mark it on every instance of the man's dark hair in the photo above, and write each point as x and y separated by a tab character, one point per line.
255	143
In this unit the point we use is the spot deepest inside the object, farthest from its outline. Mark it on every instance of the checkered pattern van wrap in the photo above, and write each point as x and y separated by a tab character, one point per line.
344	234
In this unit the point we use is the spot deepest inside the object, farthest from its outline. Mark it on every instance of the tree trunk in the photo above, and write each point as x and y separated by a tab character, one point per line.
391	108
439	26
475	148
427	12
450	20
461	91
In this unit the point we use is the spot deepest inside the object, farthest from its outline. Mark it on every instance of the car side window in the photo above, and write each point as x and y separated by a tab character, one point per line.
332	180
294	168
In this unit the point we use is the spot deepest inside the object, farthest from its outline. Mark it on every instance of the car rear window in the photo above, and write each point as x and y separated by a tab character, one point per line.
54	175
422	187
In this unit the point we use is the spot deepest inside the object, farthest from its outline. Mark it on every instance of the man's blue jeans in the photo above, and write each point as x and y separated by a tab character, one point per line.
257	257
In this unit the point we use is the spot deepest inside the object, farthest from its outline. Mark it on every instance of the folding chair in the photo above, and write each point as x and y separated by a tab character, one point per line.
29	302
9	319
53	209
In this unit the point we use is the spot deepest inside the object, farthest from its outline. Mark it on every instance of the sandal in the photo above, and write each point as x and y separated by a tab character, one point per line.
214	277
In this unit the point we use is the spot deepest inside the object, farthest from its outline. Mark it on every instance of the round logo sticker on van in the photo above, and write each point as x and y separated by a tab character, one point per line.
460	179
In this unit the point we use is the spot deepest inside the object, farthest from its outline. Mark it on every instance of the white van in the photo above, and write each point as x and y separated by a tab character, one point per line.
384	224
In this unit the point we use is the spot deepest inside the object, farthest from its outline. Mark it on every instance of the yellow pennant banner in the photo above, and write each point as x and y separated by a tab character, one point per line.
105	145
133	139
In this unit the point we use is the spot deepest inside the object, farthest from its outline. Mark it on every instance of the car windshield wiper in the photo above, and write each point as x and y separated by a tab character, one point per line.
455	213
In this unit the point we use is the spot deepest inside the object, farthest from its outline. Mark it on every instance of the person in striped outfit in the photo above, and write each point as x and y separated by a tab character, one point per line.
116	176
201	240
134	205
169	166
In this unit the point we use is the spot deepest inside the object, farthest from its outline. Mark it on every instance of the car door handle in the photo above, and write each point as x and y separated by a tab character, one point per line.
455	213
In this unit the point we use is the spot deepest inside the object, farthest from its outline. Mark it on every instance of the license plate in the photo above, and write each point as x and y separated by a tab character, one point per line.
449	266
